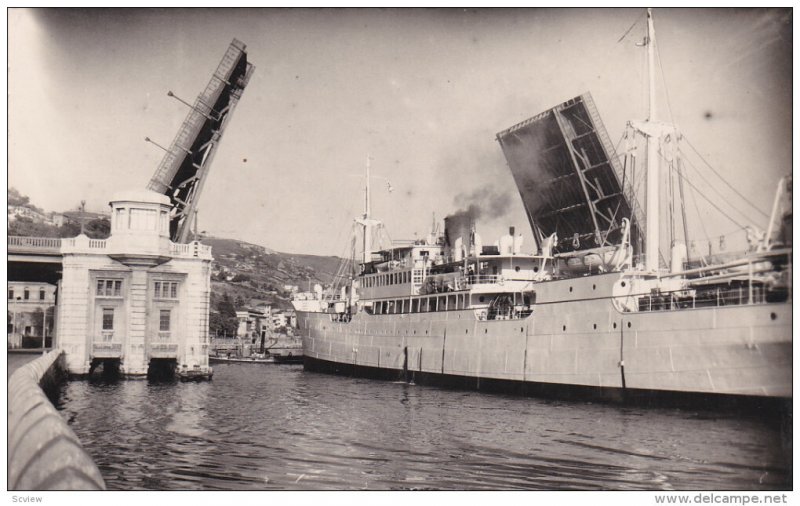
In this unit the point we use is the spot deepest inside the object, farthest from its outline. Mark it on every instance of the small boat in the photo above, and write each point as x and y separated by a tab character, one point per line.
284	356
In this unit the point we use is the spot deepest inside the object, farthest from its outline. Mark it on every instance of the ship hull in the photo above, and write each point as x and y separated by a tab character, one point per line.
575	344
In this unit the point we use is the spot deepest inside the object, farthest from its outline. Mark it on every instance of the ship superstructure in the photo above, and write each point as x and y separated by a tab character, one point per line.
598	307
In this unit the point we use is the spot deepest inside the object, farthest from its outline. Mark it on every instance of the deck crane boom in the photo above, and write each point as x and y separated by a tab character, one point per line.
184	168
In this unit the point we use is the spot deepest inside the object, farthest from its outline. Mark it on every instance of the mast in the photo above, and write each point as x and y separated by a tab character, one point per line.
367	227
365	220
652	229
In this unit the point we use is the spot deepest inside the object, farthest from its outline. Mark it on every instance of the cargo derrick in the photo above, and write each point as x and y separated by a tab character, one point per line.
184	168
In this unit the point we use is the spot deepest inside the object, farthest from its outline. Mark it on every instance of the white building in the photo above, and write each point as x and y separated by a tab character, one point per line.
28	307
135	296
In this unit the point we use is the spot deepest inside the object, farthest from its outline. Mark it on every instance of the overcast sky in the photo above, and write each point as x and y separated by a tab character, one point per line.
423	92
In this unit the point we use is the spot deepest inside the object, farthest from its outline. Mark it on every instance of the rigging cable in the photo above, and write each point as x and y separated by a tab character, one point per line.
747	218
711	202
724	180
631	28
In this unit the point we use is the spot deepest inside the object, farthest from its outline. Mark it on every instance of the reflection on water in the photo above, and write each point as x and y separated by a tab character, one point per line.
278	427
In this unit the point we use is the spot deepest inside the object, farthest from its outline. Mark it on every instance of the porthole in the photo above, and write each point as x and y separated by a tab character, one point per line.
466	331
594	287
522	329
570	289
415	332
594	326
535	268
485	331
773	316
426	332
622	284
629	324
564	328
615	324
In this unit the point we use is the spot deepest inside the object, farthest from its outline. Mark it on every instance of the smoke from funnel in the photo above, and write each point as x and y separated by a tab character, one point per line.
487	203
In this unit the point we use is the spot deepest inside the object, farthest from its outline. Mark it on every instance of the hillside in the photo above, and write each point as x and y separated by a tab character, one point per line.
249	272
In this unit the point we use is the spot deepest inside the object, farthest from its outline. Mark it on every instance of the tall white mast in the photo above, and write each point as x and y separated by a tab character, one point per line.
365	219
653	232
367	224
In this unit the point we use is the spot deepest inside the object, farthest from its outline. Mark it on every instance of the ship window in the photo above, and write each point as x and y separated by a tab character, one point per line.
415	306
443	303
451	302
481	298
434	304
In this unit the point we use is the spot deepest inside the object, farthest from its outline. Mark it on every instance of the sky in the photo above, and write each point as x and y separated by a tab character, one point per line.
421	92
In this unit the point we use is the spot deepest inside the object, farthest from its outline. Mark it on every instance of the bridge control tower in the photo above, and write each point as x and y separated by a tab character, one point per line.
141	298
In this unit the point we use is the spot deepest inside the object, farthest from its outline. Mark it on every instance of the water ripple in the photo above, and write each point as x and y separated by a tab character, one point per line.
280	428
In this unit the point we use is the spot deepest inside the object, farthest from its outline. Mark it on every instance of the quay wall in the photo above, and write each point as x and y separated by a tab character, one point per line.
43	452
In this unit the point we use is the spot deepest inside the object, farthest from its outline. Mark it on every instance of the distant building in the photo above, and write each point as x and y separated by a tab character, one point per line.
28	306
135	297
251	325
15	212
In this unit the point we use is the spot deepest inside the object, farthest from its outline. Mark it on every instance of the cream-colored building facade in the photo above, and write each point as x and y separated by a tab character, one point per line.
136	296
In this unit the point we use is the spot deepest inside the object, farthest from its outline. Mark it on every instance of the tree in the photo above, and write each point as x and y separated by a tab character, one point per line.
225	322
98	229
15	198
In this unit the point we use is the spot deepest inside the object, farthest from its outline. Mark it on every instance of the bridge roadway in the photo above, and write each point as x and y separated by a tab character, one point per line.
34	259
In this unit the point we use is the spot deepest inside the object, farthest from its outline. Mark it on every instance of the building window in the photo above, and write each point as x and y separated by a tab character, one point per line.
41	293
163	320
109	288
108	318
165	289
26	294
142	219
10	294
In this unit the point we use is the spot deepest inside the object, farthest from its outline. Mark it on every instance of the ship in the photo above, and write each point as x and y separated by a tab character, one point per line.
595	310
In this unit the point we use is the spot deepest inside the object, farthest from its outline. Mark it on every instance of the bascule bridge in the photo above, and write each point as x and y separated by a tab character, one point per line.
139	300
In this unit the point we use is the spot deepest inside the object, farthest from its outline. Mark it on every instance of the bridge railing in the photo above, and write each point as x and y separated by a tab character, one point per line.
53	243
192	249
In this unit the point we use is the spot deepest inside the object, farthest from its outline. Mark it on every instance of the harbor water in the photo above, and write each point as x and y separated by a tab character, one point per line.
268	427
